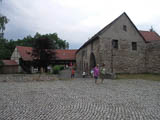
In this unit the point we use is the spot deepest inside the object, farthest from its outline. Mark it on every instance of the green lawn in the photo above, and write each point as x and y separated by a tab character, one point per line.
139	76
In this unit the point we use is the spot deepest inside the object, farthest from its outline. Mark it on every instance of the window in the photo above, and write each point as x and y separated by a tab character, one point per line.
134	45
124	27
115	44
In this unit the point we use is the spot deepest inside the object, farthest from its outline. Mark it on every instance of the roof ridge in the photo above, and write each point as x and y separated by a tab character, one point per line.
144	31
147	31
53	49
24	46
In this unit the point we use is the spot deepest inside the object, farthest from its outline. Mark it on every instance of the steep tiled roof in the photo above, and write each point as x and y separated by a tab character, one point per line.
150	36
65	54
61	54
25	52
9	62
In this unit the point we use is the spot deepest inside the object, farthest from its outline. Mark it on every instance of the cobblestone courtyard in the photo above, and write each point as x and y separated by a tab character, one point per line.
80	99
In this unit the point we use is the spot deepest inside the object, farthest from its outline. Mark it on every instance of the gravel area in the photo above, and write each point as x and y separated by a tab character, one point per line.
80	99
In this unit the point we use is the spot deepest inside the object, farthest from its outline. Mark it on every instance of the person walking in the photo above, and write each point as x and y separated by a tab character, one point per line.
92	72
102	72
96	73
72	73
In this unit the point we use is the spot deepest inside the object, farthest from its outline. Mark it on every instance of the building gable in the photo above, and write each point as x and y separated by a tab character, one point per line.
15	55
122	28
121	44
97	35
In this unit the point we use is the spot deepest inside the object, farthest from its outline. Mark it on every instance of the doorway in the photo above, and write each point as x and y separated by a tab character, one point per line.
92	61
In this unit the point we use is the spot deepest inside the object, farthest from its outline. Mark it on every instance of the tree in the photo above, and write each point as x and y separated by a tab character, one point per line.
3	22
59	43
7	46
1	63
43	52
4	53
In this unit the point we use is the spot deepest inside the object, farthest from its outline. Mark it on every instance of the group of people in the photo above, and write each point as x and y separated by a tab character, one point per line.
96	72
99	72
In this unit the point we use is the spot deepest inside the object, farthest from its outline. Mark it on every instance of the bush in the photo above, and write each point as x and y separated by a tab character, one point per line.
61	67
56	69
1	63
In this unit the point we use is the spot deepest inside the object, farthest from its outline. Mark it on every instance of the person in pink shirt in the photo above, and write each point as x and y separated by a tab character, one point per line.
96	72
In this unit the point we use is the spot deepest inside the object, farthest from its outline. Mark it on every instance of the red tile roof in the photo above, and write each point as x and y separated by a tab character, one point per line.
9	62
65	54
150	36
61	54
25	52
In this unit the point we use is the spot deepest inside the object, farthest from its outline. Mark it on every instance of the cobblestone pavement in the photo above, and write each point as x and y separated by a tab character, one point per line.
80	99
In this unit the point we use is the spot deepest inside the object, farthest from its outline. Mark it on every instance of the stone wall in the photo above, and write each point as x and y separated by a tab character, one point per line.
26	77
153	57
83	57
121	60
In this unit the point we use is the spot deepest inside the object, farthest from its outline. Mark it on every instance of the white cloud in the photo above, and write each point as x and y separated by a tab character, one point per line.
77	20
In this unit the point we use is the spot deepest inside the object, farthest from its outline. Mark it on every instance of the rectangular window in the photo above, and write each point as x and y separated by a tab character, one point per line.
134	45
124	27
115	44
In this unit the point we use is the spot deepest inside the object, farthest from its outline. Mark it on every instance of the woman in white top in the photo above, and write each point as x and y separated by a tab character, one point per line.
102	72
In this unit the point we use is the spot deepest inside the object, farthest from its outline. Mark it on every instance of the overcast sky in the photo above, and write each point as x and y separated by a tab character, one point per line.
75	20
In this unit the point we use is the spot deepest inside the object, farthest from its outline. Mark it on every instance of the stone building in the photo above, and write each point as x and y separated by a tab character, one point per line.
123	49
153	57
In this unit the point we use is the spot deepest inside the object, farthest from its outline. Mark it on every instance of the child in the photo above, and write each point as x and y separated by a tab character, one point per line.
72	73
84	74
96	73
92	73
102	72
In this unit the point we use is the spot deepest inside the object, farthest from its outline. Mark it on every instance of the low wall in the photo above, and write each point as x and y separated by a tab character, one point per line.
26	77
